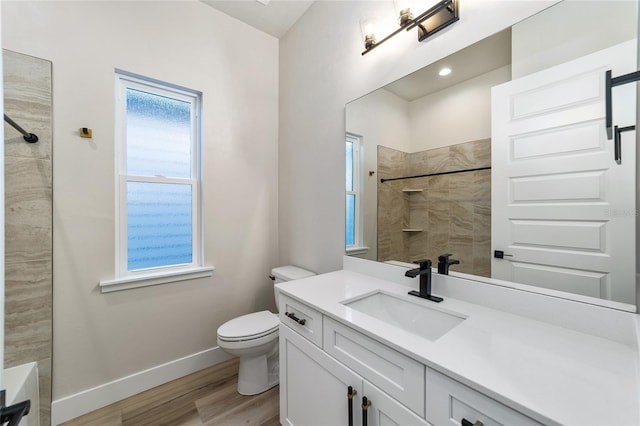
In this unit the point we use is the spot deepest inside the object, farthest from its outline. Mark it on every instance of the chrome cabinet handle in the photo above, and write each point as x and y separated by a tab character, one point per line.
295	318
466	422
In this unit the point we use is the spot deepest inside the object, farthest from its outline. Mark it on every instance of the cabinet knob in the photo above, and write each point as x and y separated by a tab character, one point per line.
295	318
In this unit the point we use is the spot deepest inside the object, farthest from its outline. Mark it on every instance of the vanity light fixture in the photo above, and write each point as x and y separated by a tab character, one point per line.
428	23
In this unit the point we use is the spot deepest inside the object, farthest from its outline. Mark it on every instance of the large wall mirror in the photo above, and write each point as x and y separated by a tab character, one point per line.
505	162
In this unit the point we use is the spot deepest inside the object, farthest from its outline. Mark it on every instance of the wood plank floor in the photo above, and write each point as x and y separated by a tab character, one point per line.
205	398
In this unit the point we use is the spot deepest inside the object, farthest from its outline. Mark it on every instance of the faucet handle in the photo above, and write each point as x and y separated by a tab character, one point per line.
424	264
444	258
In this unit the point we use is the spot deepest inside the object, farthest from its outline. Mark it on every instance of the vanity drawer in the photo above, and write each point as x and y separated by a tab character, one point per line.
396	374
448	402
301	318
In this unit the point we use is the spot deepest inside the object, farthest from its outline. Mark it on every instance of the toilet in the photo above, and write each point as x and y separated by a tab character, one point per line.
254	338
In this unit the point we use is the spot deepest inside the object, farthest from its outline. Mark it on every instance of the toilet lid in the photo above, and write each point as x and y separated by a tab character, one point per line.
253	325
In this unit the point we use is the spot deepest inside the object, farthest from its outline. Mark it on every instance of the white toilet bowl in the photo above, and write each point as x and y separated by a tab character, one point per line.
253	338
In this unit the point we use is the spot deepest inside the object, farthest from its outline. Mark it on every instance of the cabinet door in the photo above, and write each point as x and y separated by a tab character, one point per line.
313	386
385	411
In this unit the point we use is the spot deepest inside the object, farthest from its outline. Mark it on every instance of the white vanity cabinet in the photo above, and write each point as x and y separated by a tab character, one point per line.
452	403
316	373
314	390
313	386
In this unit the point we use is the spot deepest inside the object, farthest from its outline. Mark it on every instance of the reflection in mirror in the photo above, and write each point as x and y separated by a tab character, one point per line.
507	153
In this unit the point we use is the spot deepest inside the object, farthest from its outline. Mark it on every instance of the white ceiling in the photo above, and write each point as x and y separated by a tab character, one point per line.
484	56
275	18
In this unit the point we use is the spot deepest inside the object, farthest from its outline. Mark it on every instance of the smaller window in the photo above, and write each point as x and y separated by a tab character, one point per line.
158	165
353	223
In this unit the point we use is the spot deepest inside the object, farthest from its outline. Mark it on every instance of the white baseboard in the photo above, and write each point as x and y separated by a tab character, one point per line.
84	402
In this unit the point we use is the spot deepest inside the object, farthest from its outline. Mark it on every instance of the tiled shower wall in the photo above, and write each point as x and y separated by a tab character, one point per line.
28	219
448	214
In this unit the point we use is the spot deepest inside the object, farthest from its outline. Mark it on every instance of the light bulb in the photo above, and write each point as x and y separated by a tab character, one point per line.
403	10
368	27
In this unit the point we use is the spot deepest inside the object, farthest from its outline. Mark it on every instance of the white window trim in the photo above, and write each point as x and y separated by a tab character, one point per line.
171	275
357	250
357	246
160	275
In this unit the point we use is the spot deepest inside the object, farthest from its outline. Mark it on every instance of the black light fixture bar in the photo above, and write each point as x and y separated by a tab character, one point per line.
378	43
430	22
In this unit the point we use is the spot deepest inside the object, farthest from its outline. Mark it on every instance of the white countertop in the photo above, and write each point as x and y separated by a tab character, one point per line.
550	373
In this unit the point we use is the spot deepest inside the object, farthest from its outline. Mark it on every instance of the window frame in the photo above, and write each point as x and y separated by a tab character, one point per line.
357	167
126	278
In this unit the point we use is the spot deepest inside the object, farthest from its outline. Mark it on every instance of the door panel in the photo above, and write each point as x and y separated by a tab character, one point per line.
313	386
385	411
562	209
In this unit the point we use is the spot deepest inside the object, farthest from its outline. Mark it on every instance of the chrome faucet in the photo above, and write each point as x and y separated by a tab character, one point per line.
424	271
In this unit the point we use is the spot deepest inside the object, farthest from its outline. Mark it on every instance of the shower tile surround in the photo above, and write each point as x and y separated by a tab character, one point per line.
453	211
28	219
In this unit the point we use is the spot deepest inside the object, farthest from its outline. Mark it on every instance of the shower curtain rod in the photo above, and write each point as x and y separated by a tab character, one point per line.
29	137
436	174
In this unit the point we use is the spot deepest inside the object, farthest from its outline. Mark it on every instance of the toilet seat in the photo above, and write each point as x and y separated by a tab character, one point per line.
249	327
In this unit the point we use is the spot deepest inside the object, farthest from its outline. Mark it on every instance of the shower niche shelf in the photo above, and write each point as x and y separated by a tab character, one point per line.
411	229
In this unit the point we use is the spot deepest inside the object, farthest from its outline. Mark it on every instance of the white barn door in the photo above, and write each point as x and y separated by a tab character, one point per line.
563	211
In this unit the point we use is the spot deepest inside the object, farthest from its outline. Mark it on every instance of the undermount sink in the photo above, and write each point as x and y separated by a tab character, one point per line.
411	316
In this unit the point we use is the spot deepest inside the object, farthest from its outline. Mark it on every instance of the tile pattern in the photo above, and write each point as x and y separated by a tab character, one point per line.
28	219
208	397
453	211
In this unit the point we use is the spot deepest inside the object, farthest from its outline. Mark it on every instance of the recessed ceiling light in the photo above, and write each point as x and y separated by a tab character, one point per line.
444	71
265	2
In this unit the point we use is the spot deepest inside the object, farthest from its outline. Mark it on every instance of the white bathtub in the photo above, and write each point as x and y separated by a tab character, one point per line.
21	383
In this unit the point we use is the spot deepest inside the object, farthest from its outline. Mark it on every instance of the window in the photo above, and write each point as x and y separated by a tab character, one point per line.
158	223
353	235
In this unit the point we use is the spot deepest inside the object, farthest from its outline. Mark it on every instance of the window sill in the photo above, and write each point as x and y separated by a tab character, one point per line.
155	278
357	250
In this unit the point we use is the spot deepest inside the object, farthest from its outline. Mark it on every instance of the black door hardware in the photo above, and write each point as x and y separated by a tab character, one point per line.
351	392
295	318
499	254
610	83
365	407
617	141
466	422
14	413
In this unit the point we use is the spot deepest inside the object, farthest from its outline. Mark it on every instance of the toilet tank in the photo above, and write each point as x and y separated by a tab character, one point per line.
287	273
